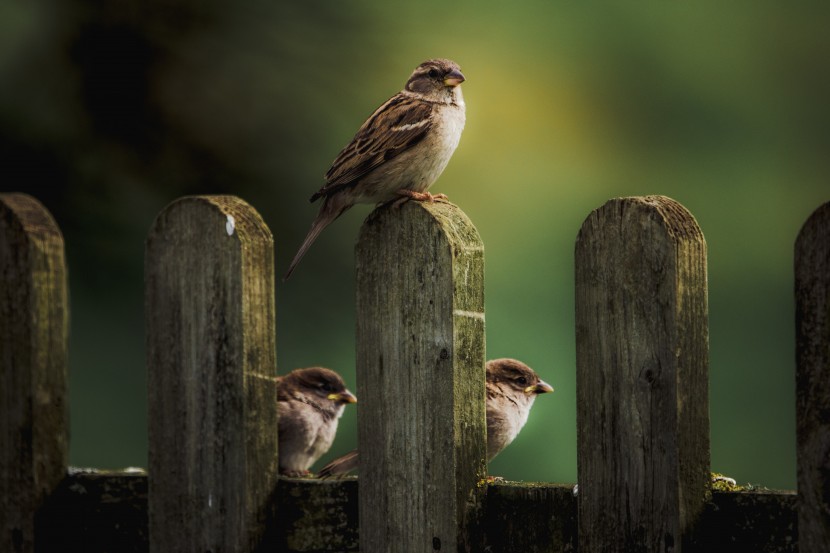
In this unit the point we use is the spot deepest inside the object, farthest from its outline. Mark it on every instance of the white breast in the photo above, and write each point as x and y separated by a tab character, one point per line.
444	140
419	167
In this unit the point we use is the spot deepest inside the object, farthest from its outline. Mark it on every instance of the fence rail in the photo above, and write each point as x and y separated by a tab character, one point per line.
642	356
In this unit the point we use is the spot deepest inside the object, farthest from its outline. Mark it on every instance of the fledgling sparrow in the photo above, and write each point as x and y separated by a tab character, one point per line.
309	403
401	149
512	388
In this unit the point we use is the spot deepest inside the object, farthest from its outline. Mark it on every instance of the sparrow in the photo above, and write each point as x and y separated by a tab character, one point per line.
401	149
512	388
310	402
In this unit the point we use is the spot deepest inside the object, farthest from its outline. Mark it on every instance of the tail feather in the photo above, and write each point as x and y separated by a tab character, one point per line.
329	211
340	466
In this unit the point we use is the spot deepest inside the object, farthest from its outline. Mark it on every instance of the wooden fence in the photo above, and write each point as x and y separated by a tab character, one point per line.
212	482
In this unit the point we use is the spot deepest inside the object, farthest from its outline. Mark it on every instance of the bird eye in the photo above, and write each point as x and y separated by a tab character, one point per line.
433	73
522	380
326	387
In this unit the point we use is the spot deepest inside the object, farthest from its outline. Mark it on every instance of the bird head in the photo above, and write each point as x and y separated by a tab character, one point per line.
435	79
517	376
322	383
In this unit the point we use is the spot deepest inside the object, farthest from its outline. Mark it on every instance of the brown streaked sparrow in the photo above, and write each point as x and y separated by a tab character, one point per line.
512	388
309	403
401	149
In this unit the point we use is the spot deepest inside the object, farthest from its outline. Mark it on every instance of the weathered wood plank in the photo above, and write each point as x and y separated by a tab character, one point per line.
96	512
530	518
209	280
642	375
420	368
812	307
34	408
747	522
315	516
106	511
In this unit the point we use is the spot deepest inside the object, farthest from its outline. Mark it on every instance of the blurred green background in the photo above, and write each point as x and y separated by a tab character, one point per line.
110	110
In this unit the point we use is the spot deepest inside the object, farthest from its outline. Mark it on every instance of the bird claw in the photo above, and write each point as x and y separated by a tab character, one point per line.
396	204
407	195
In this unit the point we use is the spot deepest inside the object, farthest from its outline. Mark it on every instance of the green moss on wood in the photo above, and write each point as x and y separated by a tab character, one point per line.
107	511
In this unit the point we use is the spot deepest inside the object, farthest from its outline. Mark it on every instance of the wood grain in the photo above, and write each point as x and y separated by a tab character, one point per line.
420	372
209	283
812	304
34	408
95	512
99	512
530	518
642	376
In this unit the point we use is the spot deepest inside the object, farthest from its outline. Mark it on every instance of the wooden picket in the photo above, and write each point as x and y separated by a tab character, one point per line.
212	484
812	305
211	364
642	376
420	366
34	407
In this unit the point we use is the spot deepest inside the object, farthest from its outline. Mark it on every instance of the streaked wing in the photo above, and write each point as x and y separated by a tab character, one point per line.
340	466
393	128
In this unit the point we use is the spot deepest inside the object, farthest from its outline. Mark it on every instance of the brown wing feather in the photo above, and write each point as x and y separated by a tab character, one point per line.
377	141
340	466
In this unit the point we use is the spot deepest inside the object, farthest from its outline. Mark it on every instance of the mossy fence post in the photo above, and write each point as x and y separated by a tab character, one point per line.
209	282
34	409
642	376
812	304
643	450
420	372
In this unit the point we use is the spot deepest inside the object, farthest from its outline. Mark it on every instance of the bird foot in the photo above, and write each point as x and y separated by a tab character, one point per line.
407	195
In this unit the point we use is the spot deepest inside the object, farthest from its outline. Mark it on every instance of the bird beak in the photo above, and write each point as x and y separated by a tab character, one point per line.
343	397
453	78
541	388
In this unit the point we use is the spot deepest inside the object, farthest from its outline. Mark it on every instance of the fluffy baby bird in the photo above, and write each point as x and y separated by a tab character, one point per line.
309	404
512	388
401	149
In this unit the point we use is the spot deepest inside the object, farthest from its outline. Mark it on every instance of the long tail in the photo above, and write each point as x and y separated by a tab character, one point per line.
329	211
340	466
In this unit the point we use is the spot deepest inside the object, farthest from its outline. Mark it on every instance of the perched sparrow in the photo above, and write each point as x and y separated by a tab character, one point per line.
309	404
512	387
399	151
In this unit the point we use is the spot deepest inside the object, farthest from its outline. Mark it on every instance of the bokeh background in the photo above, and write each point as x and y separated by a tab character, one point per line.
110	110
